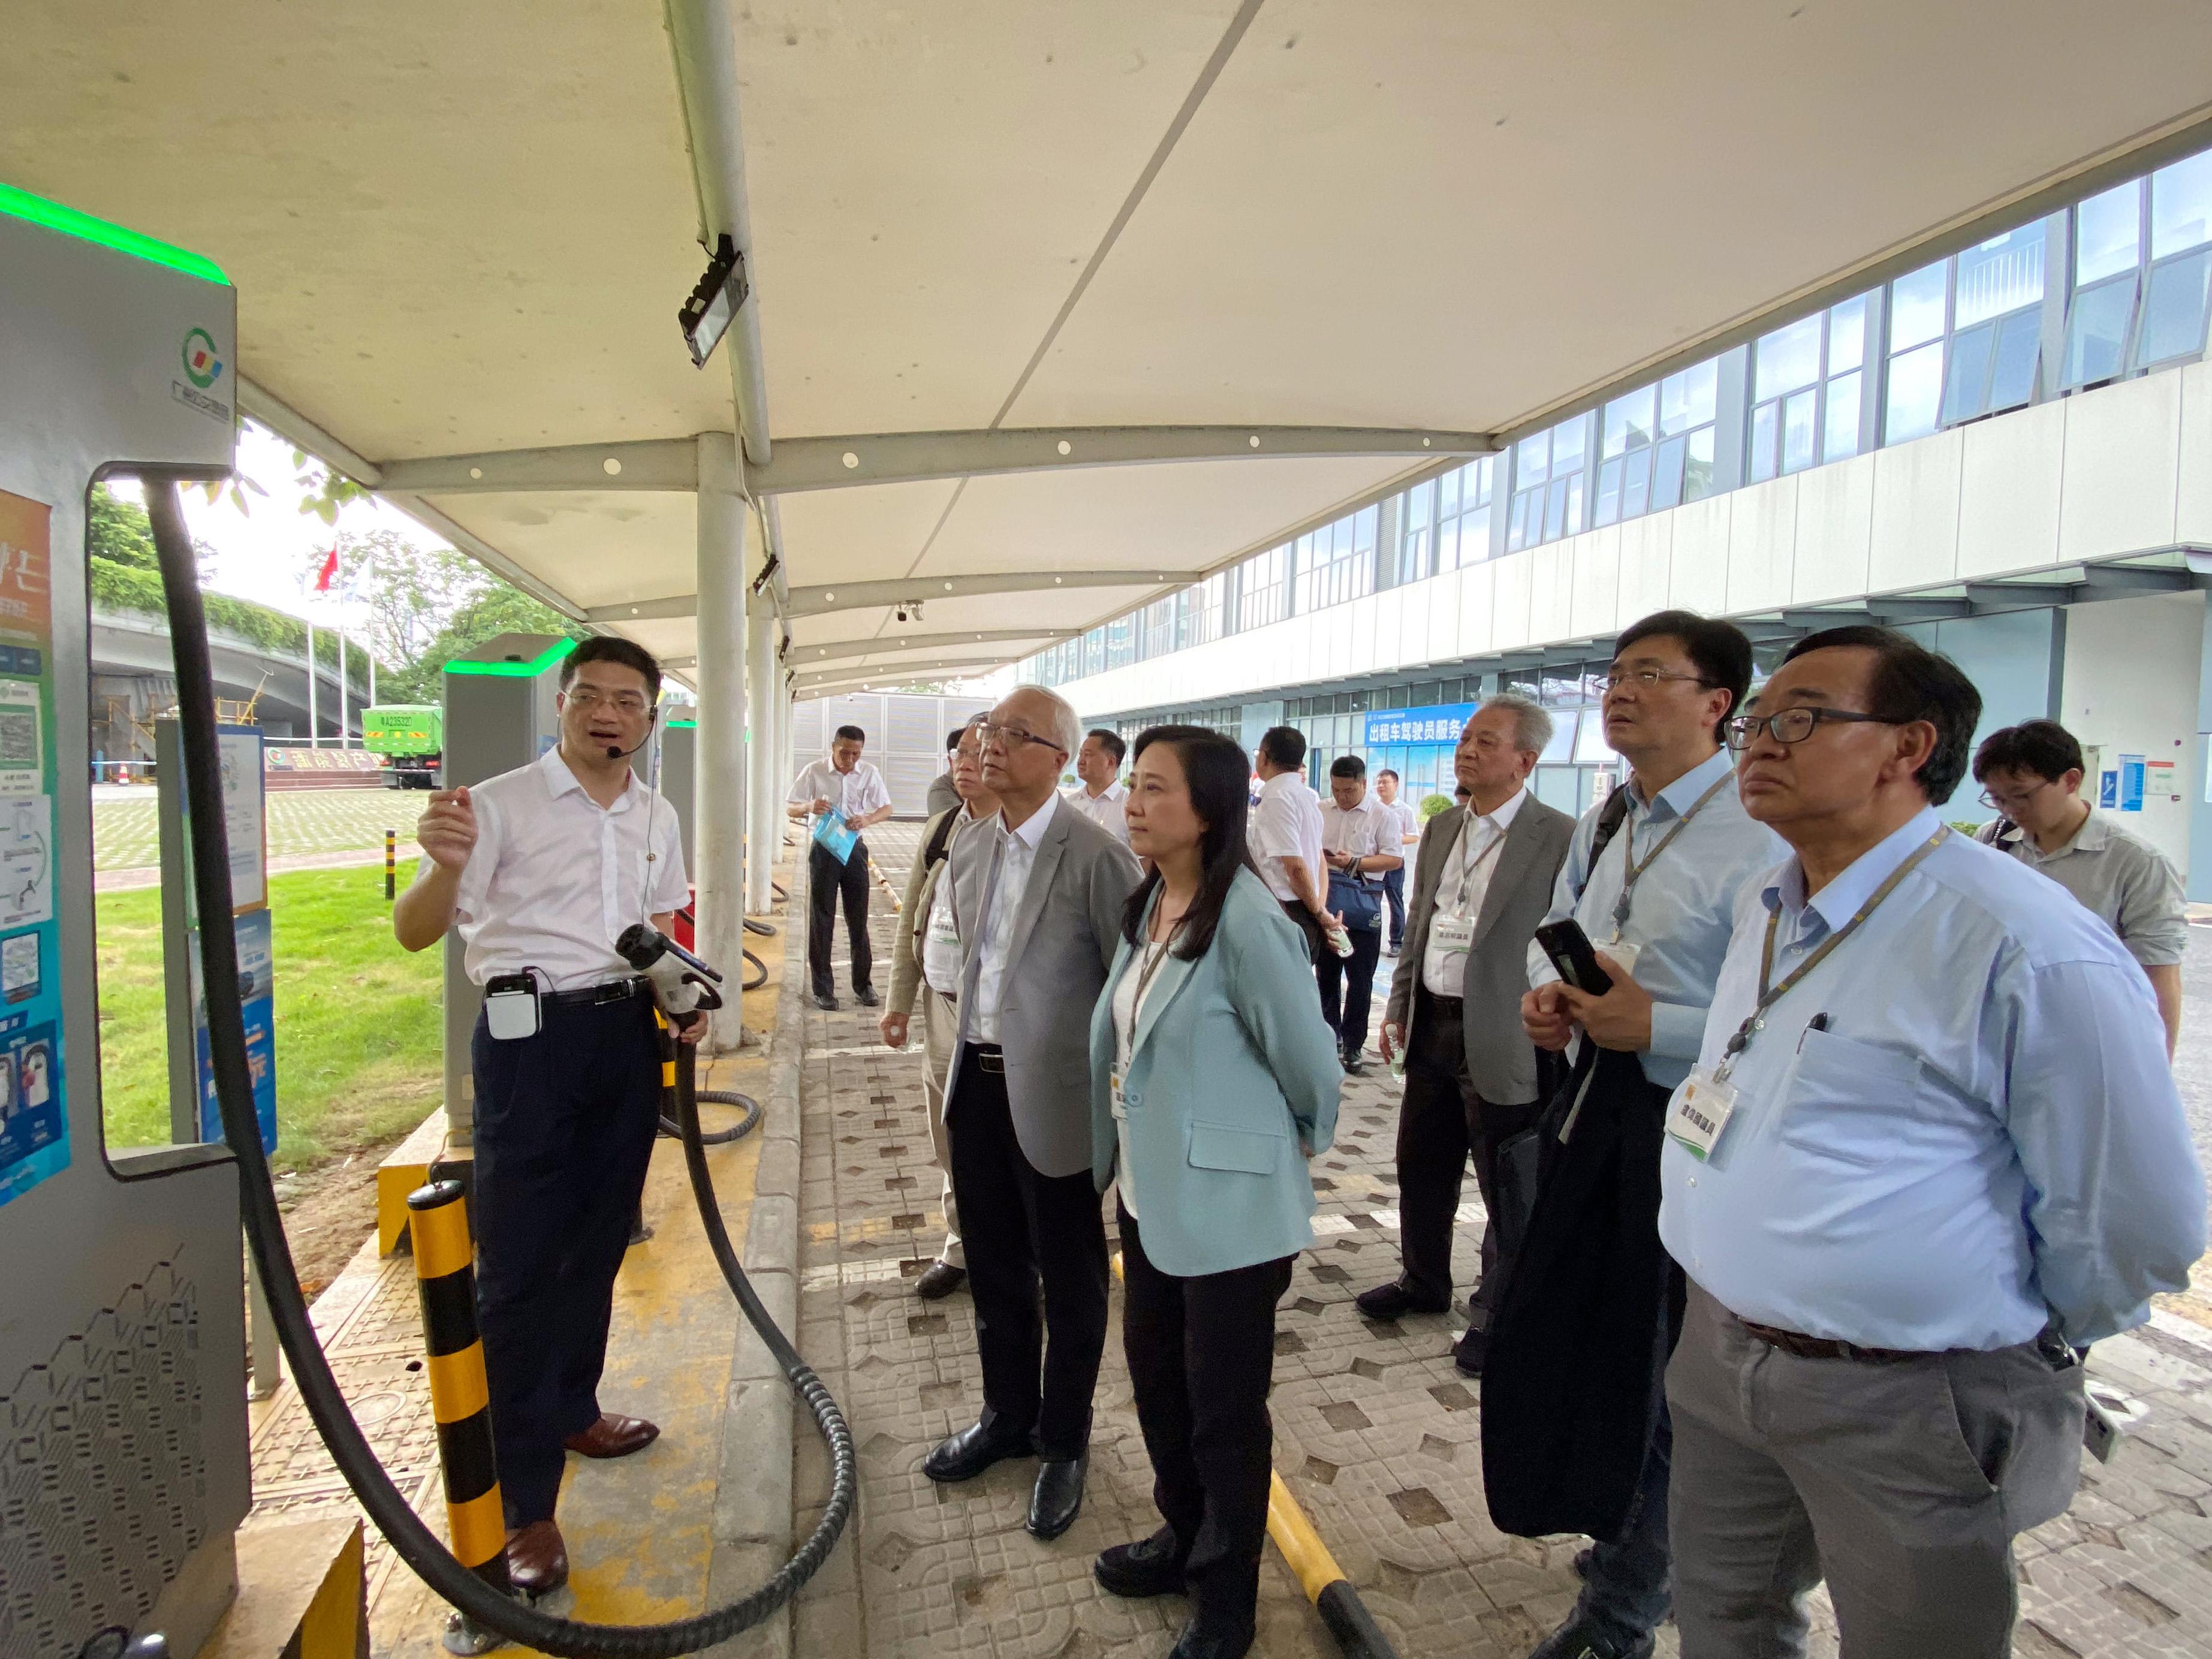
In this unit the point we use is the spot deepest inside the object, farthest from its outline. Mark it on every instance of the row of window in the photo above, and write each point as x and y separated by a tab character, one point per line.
2119	284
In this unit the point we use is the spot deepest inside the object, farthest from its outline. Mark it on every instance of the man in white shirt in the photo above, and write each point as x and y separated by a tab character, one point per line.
1409	834
1038	901
1100	799
925	960
851	788
1359	842
1286	836
541	869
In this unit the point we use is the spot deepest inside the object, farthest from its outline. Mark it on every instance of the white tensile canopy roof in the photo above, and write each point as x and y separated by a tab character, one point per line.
1309	248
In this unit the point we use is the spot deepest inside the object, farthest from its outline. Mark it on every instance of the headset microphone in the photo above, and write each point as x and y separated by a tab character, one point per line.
613	753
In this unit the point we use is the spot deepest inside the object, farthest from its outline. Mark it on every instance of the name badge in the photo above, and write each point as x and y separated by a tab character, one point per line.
1114	1095
941	930
1452	933
1624	951
1697	1113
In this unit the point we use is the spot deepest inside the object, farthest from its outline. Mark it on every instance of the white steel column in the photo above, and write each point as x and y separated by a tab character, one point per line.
763	749
718	786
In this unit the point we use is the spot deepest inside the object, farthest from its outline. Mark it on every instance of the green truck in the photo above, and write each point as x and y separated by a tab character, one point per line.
412	736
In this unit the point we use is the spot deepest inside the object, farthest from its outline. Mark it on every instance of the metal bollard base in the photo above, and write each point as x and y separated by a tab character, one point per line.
464	1636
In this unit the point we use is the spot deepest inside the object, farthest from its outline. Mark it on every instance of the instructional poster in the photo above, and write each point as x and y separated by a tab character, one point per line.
33	1077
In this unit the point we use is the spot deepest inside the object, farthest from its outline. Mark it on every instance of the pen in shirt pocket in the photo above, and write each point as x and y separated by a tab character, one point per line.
1818	1023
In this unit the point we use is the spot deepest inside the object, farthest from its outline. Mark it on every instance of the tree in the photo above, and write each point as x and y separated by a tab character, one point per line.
410	593
495	609
120	530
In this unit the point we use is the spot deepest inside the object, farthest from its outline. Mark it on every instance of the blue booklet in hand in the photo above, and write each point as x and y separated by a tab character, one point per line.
832	835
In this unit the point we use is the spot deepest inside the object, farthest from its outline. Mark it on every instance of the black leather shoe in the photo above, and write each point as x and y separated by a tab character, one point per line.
865	996
1353	1066
824	1000
1580	1639
973	1450
1197	1642
1469	1352
1394	1300
1058	1499
1147	1567
940	1278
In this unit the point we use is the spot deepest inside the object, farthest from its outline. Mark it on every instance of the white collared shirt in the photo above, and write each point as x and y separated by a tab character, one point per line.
1402	814
1368	830
1103	810
1288	825
1002	902
555	878
1461	886
855	793
940	940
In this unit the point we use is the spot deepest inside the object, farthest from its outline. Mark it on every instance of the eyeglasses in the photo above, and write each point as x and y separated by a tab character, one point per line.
1013	737
1643	677
623	702
1792	724
2010	805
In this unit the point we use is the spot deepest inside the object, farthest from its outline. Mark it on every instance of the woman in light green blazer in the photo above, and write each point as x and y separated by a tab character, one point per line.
1213	1080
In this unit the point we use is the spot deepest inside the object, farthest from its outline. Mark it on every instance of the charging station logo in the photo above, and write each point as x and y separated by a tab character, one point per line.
202	367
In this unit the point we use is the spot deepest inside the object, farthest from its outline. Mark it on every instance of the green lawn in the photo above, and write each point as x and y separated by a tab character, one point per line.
358	1021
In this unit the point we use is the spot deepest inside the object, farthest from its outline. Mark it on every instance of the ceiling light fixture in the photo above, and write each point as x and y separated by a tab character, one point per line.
706	315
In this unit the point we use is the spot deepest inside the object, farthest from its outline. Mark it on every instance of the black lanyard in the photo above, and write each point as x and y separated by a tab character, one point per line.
1769	995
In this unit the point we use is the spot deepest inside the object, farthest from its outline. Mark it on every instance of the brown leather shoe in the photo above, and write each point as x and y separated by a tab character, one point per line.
614	1436
537	1559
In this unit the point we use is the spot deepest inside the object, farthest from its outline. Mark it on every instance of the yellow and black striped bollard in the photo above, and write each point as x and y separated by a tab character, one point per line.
391	864
460	1402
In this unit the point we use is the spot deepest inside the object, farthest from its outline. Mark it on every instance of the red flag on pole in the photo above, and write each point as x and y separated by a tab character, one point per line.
329	573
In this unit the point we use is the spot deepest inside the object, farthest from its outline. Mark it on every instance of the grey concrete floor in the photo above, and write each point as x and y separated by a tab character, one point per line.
1375	1434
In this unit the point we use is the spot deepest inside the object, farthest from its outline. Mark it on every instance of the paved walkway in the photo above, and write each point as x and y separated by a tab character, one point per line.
1374	1432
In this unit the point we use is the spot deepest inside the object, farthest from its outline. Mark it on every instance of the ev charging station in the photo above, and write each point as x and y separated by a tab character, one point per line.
122	1318
500	715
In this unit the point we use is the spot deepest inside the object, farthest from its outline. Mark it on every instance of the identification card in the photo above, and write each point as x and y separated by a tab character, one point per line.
1624	951
1697	1114
1452	933
1114	1095
941	930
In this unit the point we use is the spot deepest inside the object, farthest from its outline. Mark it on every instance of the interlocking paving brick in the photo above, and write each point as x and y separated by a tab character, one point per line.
1377	1434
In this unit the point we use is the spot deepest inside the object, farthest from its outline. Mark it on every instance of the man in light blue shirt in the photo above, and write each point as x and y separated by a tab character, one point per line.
1931	1146
1655	889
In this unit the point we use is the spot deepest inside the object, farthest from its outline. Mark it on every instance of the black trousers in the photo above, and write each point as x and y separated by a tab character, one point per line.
1019	1227
1347	986
1394	895
1441	1122
827	881
565	1123
1201	1353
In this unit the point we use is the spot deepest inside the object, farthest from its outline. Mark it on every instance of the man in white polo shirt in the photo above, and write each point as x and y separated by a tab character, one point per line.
1286	836
1101	795
850	787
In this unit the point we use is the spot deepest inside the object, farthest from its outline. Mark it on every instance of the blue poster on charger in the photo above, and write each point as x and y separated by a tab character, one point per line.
2132	783
256	986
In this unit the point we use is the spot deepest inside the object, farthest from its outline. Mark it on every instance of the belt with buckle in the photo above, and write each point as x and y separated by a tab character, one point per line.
1823	1348
989	1055
591	996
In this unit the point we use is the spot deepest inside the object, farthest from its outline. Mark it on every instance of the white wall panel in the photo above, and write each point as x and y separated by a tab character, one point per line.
2131	688
1762	544
1699	580
1916	514
1508	612
1362	616
1551	591
1475	627
2193	508
1598	582
2010	477
1835	530
1433	622
1646	567
2122	470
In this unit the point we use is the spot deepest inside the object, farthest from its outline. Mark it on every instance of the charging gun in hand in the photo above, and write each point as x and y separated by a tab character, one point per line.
684	983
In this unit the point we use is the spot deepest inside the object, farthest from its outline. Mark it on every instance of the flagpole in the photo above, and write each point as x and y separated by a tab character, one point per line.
315	719
342	679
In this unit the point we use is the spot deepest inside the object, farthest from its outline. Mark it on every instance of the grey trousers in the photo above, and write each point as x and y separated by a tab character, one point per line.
1902	1484
940	1025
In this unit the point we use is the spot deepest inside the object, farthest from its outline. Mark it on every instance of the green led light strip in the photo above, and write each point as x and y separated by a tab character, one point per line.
21	204
537	664
680	726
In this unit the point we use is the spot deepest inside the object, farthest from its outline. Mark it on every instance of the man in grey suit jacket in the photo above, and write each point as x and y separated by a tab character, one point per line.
1037	896
1482	885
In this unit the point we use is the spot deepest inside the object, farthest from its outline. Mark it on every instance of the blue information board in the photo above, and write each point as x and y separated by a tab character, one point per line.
1437	723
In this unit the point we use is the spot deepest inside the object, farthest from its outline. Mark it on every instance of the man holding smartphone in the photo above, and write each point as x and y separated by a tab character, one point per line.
541	869
1651	877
